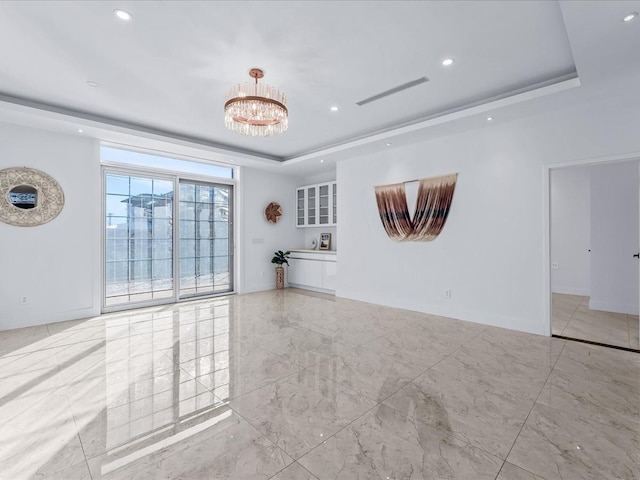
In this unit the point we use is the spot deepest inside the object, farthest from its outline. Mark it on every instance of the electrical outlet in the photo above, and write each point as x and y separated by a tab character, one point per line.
24	300
447	294
555	266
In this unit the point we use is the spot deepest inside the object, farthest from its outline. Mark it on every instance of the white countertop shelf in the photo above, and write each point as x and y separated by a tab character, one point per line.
304	250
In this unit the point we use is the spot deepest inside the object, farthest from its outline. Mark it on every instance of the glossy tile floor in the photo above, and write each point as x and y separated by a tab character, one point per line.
290	385
571	317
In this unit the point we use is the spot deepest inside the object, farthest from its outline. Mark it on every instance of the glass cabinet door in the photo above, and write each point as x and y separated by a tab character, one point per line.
323	203
334	203
300	207
312	216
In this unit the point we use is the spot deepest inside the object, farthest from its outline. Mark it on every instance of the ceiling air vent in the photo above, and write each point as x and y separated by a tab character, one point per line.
393	90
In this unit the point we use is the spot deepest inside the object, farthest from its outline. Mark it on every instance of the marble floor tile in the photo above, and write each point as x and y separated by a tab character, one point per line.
41	440
26	381
591	362
295	472
302	347
23	340
634	339
634	331
386	444
557	445
533	348
584	310
445	331
484	412
370	373
613	404
352	332
427	341
561	317
524	364
578	321
405	348
105	424
586	328
223	446
565	299
299	412
511	472
75	472
564	306
558	324
72	326
230	376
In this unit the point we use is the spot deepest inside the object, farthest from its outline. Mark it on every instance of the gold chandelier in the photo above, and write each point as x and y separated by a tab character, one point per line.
256	110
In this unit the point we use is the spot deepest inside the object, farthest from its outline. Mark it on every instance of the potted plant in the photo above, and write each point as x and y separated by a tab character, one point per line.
280	258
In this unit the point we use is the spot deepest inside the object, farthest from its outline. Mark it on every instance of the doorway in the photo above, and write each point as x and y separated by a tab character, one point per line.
166	238
594	235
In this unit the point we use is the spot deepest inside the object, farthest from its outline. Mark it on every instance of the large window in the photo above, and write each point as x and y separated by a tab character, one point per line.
114	155
166	237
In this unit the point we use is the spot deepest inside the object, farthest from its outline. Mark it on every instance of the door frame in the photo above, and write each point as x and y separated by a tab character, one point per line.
546	247
175	176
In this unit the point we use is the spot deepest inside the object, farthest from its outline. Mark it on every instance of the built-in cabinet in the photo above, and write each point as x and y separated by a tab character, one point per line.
316	205
313	270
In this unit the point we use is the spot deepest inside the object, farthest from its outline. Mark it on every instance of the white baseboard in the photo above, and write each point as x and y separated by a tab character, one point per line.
44	318
582	292
313	289
259	287
613	307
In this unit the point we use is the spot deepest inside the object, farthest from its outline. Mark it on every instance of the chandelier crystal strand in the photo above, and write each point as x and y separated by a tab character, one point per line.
257	110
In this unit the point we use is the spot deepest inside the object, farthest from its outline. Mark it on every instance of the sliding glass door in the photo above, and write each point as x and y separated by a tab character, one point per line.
138	239
149	258
205	238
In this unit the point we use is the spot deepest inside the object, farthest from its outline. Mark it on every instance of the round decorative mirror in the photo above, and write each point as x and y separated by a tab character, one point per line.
23	196
29	197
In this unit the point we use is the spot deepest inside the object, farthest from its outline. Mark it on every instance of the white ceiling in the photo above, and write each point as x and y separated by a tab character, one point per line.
168	69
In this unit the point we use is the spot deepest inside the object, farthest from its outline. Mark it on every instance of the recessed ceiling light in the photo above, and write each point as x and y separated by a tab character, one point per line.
447	62
91	83
321	160
489	119
80	130
334	109
630	17
122	15
389	144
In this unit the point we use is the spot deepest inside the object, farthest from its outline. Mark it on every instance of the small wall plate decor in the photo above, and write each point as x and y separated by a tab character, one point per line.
29	197
273	212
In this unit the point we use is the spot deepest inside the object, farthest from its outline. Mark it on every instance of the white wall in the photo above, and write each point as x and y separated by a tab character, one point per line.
260	238
56	265
571	230
491	252
614	238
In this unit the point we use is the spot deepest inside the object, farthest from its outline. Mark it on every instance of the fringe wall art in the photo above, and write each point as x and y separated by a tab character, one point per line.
432	208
